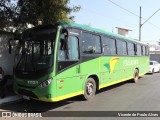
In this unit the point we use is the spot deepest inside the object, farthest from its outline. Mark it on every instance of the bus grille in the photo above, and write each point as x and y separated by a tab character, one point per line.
27	93
26	86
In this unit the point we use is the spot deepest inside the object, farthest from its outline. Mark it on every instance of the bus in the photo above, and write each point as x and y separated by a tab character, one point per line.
61	60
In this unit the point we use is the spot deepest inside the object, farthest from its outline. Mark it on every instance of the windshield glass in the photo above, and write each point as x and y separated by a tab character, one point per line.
151	63
36	50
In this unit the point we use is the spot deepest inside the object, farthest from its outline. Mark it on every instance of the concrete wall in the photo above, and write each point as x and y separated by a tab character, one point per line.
6	59
155	57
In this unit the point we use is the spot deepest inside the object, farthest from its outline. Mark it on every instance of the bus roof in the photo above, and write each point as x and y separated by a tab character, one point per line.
87	28
96	30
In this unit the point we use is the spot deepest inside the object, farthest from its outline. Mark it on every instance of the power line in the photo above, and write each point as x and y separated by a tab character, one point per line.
105	16
154	25
123	8
151	16
136	14
102	15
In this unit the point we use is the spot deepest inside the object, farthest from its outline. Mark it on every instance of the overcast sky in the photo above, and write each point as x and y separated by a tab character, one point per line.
104	14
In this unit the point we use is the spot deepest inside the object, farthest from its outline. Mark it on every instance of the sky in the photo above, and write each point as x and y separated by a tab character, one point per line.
105	15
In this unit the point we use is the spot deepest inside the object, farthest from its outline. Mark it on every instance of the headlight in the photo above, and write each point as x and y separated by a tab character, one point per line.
45	83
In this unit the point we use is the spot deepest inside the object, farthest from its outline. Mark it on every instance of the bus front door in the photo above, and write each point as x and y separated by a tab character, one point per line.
68	80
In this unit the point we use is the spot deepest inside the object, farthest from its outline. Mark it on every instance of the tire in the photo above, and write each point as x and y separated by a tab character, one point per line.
89	89
135	76
152	71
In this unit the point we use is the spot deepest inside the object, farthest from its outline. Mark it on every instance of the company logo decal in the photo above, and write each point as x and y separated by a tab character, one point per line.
111	64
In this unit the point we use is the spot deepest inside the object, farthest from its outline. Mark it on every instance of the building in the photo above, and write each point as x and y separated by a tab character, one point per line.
123	31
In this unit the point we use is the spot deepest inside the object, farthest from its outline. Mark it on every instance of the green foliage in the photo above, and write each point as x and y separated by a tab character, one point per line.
7	11
18	14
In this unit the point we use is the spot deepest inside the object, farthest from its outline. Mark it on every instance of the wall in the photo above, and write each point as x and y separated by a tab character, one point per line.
155	57
6	59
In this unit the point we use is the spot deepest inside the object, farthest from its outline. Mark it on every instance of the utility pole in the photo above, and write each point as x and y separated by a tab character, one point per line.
141	24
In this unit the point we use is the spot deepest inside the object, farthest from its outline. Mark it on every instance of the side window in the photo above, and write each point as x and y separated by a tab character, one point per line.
130	49
143	50
68	49
139	50
97	44
91	44
73	51
146	52
109	46
121	47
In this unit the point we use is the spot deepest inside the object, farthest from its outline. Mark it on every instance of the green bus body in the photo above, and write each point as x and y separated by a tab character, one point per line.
67	78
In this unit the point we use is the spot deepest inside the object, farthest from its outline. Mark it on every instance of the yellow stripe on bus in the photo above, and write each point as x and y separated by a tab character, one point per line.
118	81
68	95
62	97
81	92
115	82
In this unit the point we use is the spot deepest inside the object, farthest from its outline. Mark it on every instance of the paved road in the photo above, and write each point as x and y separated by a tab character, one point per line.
127	96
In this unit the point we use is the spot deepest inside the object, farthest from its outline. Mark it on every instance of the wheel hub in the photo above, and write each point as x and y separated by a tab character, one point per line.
90	88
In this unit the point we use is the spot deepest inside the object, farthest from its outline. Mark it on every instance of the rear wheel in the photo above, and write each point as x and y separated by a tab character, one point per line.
135	76
89	89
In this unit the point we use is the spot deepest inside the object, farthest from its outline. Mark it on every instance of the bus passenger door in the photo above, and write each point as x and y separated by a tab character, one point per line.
68	69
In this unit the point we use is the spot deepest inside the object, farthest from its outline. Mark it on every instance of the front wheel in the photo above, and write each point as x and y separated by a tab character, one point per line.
89	89
135	76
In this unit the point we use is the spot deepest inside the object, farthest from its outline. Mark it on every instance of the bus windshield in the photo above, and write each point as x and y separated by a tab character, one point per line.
36	51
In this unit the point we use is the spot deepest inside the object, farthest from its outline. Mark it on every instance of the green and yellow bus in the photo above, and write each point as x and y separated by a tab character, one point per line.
62	60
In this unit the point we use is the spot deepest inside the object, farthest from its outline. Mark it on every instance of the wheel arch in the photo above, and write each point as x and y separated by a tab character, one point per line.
95	77
137	68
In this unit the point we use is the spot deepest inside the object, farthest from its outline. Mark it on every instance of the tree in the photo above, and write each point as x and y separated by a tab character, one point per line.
7	12
21	13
